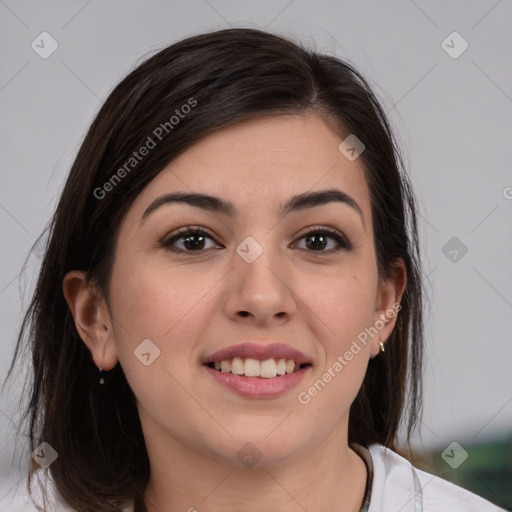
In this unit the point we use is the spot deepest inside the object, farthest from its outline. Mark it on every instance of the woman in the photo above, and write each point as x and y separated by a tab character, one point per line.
229	311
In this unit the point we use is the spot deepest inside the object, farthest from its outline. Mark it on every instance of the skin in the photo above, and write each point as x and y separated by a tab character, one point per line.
192	304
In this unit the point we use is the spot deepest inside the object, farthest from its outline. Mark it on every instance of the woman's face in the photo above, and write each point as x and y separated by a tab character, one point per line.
257	276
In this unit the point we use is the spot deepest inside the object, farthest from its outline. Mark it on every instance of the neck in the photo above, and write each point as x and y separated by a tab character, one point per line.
331	476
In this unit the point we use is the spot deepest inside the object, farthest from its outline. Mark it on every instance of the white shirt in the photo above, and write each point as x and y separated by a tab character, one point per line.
398	486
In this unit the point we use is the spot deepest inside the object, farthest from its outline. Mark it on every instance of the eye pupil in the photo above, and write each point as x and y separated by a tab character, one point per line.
186	240
316	243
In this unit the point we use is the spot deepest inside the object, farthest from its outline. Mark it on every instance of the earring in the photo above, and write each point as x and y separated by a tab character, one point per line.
102	380
381	346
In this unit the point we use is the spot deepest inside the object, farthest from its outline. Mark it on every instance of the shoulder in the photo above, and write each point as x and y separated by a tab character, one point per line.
398	485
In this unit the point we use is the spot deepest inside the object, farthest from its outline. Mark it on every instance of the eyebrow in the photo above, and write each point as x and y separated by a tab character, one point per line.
222	206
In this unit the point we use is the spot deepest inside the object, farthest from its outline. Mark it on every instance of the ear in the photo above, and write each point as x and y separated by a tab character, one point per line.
91	317
387	304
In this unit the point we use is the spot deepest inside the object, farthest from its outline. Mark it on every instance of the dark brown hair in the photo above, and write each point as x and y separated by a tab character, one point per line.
227	76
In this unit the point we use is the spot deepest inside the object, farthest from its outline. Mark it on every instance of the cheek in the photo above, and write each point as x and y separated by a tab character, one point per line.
345	308
155	302
169	307
344	303
148	306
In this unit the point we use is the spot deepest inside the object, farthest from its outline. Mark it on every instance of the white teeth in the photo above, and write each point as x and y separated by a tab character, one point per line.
252	367
237	366
268	369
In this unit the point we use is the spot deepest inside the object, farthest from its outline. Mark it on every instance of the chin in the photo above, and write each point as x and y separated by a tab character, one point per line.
257	449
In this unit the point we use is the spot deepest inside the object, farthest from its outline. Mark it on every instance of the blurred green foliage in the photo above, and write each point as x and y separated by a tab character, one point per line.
487	471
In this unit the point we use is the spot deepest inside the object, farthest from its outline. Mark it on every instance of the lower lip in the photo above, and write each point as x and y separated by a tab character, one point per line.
257	387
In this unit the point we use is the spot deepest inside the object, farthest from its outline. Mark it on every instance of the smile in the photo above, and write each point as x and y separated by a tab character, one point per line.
250	367
258	386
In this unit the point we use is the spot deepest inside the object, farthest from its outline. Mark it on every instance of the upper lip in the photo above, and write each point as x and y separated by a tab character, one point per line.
257	351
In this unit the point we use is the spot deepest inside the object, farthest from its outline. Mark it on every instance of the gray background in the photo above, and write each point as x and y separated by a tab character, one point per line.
451	115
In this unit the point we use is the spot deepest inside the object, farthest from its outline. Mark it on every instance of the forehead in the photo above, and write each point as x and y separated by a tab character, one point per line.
258	164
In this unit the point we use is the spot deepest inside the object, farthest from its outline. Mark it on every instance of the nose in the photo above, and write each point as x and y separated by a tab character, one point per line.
260	292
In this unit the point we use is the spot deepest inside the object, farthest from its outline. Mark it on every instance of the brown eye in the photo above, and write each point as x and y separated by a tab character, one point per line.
193	240
317	239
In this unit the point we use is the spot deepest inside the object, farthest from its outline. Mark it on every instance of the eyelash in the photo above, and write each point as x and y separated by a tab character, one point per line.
341	240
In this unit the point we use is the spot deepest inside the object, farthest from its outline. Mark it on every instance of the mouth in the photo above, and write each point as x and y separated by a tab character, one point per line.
270	368
256	369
